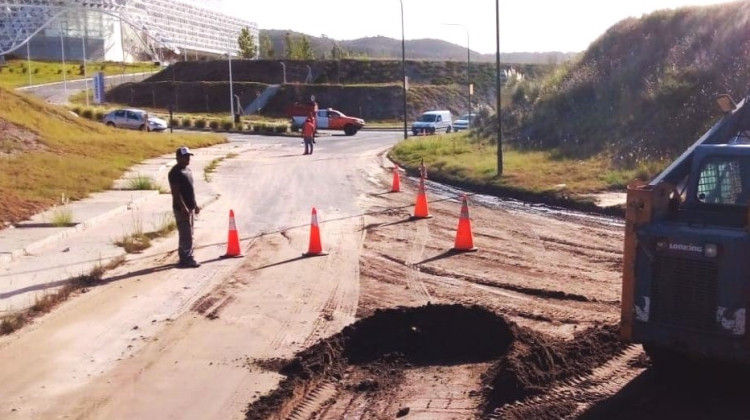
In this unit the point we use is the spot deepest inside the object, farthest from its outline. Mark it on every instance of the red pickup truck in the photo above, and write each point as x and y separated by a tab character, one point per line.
329	119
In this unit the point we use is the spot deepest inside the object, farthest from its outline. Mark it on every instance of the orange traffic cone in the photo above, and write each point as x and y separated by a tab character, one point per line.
420	207
396	180
315	247
464	238
233	241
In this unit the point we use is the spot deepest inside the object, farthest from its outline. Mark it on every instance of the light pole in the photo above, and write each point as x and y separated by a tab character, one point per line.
283	70
28	59
403	64
62	54
83	49
468	66
231	89
499	86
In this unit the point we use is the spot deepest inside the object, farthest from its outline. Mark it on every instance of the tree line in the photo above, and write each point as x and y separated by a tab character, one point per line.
295	48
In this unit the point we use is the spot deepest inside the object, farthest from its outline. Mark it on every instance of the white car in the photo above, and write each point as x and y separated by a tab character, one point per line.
463	122
134	119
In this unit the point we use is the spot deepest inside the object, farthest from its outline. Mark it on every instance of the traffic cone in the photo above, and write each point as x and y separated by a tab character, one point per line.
464	238
396	180
420	207
315	248
233	241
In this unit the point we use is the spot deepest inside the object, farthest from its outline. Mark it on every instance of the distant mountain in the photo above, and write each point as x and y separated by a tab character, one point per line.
417	49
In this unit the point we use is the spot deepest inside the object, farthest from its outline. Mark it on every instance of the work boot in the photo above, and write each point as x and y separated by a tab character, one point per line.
191	263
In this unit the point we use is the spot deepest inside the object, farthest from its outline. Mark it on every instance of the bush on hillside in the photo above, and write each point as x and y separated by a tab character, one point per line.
200	123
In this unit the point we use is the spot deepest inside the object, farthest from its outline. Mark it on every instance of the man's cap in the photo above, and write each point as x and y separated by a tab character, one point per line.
183	151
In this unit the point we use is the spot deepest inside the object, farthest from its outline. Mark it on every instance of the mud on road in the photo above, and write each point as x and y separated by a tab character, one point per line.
525	328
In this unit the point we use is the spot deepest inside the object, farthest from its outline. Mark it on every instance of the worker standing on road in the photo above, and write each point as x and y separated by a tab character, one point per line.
184	206
308	135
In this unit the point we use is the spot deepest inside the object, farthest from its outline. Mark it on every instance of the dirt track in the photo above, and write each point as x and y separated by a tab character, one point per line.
389	324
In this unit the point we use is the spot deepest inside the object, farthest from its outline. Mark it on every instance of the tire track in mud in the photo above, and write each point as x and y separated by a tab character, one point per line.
344	297
576	395
418	243
313	401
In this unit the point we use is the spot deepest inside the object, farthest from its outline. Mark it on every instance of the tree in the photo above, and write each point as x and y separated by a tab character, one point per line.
246	44
338	53
266	47
290	47
305	49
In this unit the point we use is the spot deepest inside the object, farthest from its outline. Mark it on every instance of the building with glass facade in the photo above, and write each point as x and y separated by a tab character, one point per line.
119	30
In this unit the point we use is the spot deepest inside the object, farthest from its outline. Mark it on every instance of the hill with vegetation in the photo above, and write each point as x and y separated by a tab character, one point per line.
47	152
370	89
641	93
380	47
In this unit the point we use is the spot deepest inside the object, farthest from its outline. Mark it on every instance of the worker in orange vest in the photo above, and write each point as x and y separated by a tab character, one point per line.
308	135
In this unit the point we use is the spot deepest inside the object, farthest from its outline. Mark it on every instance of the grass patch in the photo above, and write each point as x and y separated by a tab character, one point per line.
138	240
89	155
458	158
16	72
62	216
44	304
142	182
211	167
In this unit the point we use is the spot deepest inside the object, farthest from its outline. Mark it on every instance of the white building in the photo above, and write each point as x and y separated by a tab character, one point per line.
119	30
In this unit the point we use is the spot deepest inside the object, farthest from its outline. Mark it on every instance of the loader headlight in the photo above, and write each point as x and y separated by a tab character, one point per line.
710	250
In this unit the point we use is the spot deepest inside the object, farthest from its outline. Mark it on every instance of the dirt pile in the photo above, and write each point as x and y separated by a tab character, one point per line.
373	354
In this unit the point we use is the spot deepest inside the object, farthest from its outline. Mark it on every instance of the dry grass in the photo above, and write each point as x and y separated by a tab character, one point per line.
45	304
73	155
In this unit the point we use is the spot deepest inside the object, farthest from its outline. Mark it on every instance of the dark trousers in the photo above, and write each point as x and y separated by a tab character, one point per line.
185	235
308	146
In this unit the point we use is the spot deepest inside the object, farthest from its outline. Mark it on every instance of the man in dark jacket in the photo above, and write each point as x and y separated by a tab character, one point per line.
184	206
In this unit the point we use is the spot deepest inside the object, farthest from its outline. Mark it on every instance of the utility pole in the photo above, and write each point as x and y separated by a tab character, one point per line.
403	65
499	88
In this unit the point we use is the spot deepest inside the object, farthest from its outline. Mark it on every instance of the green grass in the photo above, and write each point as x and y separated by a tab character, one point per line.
63	153
142	182
456	157
15	73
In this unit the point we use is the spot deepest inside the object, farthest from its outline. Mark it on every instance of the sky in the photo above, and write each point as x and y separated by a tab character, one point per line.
525	25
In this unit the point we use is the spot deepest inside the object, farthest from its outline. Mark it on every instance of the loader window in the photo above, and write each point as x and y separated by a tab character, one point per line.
720	182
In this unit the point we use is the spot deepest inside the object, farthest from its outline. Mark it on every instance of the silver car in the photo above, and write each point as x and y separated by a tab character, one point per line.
463	122
134	119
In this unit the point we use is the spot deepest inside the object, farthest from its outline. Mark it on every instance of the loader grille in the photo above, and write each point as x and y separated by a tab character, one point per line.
683	292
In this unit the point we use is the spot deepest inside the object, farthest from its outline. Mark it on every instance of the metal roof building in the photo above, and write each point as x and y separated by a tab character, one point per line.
119	30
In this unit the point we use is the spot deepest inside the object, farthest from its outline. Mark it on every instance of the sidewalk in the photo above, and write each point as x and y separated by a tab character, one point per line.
36	257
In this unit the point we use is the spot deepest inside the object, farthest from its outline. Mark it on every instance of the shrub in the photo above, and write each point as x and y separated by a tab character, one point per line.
87	113
99	114
227	124
214	125
257	127
77	109
174	122
186	122
200	123
269	128
280	128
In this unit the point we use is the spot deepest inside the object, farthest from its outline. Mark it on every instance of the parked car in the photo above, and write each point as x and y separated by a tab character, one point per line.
135	119
433	121
463	122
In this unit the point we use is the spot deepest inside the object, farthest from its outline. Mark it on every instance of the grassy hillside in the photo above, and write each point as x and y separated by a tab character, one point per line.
46	151
642	92
368	88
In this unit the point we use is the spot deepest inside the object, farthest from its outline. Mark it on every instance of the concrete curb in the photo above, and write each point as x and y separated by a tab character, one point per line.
30	248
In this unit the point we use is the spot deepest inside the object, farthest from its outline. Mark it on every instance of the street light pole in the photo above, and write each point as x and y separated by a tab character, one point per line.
403	65
499	87
231	89
62	53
